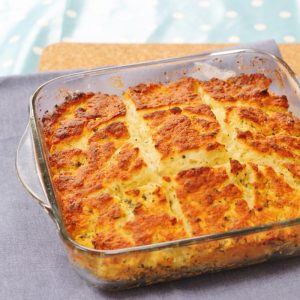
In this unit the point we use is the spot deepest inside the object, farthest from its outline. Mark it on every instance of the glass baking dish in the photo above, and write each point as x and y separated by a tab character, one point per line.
142	265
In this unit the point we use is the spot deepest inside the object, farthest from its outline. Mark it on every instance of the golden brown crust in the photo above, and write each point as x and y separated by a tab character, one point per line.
102	107
282	145
210	201
275	199
153	228
68	128
294	169
115	130
244	86
67	158
109	212
127	162
154	95
174	131
266	132
111	164
155	222
267	123
252	114
71	103
251	89
236	166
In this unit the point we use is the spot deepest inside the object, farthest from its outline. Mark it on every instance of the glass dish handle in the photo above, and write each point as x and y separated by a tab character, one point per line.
27	171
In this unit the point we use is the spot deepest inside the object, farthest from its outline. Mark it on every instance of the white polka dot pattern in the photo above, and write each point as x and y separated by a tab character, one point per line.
14	39
257	3
205	27
285	14
289	39
231	14
178	40
204	3
178	15
234	39
7	63
37	50
260	27
71	13
24	33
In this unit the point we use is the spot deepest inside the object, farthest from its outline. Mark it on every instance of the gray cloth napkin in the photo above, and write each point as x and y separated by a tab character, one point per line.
33	263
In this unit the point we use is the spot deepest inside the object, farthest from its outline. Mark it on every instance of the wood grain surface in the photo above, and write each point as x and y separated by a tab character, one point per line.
63	56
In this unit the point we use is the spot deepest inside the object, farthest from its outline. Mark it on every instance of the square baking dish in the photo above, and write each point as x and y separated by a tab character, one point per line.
135	266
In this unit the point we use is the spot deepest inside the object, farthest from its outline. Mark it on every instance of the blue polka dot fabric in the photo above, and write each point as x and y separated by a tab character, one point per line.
28	26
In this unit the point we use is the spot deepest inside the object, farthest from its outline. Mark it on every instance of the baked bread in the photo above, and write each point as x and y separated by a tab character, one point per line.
169	161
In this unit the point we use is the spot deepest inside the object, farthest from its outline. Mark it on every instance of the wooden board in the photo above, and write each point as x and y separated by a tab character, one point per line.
64	56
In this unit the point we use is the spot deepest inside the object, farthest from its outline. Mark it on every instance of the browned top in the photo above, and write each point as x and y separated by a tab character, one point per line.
169	161
249	90
178	130
151	95
210	201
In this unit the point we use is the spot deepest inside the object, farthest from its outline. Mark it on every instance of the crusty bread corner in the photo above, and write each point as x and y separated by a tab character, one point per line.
169	161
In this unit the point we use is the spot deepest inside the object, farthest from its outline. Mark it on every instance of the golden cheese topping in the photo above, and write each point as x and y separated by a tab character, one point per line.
169	161
250	90
211	201
152	95
177	130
